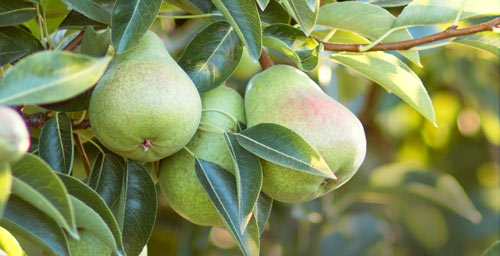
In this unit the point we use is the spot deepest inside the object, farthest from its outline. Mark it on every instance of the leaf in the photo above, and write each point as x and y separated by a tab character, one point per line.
248	174
284	147
430	12
76	20
419	218
35	182
91	221
76	104
274	13
262	211
50	76
9	244
193	6
56	143
13	12
375	23
88	196
95	44
493	250
300	11
106	177
137	208
212	56
292	42
488	41
221	188
130	20
392	74
15	43
440	188
244	18
263	4
98	10
24	220
5	185
390	3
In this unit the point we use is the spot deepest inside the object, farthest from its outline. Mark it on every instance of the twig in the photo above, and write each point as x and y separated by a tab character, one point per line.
83	125
264	60
71	46
81	153
408	44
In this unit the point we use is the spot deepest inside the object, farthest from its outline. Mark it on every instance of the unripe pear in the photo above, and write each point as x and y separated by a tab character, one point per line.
14	135
88	245
178	179
145	107
286	96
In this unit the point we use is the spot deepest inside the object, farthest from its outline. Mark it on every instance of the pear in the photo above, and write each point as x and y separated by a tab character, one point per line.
14	136
286	96
88	245
221	108
145	107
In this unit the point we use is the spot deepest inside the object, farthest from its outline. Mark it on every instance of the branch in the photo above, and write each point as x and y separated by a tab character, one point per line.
71	46
82	153
408	44
38	120
264	60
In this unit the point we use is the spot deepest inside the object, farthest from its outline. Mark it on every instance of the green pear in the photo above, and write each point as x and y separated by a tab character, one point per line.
286	96
185	194
145	107
14	135
88	245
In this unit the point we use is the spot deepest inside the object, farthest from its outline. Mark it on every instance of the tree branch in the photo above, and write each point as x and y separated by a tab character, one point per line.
408	44
82	153
71	46
264	60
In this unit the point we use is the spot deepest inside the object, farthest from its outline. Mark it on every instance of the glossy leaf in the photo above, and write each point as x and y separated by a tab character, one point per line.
488	41
244	18
95	44
274	13
137	208
33	81
106	177
88	196
15	43
35	182
193	6
428	12
248	174
56	143
300	11
90	220
98	10
262	211
221	188
375	23
392	74
284	147
212	56
23	219
292	42
493	250
9	244
76	104
5	185
262	4
130	20
13	12
76	20
390	3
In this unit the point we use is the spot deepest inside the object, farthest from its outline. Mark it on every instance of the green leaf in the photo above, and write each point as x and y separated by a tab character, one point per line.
375	23
248	174
262	211
392	74
437	187
35	182
284	147
98	10
493	250
300	11
21	218
293	43
244	18
9	244
5	185
212	56
91	221
106	177
488	41
95	44
221	188
15	43
85	194
75	104
130	20
263	4
274	13
56	143
137	208
390	3
50	76
419	218
429	12
76	20
13	12
193	6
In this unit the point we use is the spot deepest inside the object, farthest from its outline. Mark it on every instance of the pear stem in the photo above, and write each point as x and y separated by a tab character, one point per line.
222	112
264	60
190	152
213	126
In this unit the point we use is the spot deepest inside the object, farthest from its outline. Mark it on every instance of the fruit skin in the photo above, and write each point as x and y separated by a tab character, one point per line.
145	107
14	135
88	245
178	179
286	96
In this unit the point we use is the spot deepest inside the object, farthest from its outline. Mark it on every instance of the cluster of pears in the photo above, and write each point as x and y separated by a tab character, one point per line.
146	108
